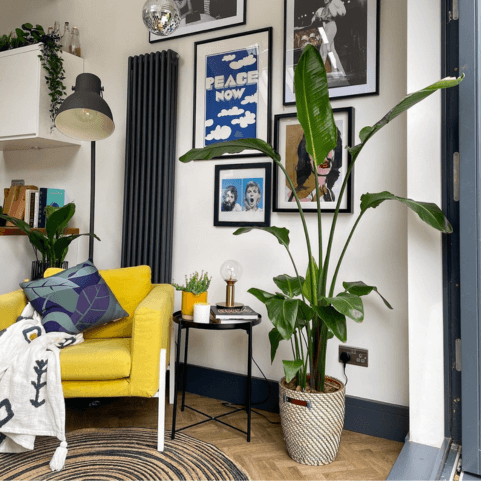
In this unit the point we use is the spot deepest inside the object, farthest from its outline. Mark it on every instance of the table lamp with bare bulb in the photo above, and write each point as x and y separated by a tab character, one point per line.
231	272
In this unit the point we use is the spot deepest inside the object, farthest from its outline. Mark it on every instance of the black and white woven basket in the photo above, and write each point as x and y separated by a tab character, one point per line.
312	423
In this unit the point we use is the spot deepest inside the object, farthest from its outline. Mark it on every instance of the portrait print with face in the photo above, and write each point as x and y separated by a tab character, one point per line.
300	167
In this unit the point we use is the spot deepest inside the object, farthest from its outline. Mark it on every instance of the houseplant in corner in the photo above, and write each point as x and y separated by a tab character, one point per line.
306	311
53	245
194	292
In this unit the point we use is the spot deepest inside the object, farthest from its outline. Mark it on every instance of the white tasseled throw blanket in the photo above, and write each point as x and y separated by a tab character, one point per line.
31	396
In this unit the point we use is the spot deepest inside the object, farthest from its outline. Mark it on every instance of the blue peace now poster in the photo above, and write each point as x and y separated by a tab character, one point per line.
231	94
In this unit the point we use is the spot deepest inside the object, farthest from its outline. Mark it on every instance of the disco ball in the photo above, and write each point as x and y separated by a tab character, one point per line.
161	17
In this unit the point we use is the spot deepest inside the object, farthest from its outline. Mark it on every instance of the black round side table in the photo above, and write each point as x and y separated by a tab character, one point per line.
223	326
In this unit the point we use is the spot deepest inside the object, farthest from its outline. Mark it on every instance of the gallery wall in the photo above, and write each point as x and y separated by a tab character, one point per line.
378	254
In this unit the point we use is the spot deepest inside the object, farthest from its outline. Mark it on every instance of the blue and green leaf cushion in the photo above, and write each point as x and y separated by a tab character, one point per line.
73	300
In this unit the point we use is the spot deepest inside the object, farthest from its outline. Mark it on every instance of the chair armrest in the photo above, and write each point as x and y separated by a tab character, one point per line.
11	306
151	328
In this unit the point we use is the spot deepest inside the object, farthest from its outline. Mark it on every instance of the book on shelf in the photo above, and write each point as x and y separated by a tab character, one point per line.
226	314
49	196
29	206
35	212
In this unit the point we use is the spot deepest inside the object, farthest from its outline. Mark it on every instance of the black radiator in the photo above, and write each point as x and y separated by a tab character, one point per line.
147	232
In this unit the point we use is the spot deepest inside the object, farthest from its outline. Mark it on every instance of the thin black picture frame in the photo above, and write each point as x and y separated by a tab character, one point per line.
278	174
336	92
220	218
268	100
178	34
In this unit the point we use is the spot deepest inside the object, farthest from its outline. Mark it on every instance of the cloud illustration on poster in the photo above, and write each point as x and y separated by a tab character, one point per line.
250	99
228	58
248	119
209	123
233	111
220	133
244	62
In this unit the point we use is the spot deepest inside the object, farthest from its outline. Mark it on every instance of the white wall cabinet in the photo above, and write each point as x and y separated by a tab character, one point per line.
25	103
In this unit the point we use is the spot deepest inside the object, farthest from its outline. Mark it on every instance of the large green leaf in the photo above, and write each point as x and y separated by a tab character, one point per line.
282	313
275	338
428	212
263	296
23	226
314	110
291	368
304	314
230	147
59	220
349	305
307	287
280	233
359	288
290	286
60	246
334	320
412	99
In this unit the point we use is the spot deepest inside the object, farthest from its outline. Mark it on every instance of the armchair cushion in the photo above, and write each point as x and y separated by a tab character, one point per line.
74	300
96	360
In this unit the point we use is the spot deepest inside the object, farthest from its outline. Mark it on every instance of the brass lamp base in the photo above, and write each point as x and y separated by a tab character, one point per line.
223	305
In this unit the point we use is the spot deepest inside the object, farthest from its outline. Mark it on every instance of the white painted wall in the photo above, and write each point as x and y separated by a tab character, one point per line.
379	252
426	376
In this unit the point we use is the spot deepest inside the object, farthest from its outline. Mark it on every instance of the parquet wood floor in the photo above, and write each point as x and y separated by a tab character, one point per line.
360	457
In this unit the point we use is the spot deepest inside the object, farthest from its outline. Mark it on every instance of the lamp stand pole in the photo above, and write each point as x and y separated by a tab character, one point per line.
92	199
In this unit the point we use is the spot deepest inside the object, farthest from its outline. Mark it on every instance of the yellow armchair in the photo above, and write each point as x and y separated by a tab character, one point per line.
127	357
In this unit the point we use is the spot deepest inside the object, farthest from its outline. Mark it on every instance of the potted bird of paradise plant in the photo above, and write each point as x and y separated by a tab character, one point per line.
307	311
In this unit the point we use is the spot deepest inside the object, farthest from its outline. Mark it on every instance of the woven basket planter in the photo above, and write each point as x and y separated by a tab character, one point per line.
312	423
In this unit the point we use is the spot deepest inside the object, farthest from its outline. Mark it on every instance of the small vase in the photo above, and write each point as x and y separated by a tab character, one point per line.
188	301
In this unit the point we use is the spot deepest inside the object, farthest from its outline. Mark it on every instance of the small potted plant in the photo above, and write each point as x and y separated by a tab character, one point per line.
194	292
53	245
306	310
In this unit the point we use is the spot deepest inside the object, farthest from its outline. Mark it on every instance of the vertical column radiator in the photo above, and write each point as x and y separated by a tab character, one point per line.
147	232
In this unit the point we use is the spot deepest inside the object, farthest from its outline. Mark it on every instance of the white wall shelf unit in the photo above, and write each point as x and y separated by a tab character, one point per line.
25	100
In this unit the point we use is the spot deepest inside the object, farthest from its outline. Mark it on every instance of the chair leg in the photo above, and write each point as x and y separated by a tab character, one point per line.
161	394
172	366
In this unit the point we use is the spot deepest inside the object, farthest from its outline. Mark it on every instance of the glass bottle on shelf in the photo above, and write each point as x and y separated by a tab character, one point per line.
74	47
66	37
56	28
50	31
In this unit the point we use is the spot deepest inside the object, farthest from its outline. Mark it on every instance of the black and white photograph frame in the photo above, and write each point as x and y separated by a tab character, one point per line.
232	90
289	141
242	195
346	33
200	16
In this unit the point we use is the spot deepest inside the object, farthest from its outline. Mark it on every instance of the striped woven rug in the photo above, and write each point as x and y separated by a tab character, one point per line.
122	454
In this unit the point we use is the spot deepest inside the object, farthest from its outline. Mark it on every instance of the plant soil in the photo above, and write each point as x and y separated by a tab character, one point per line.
329	386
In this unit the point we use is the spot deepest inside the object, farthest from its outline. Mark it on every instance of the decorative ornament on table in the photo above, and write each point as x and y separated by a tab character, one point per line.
231	272
161	17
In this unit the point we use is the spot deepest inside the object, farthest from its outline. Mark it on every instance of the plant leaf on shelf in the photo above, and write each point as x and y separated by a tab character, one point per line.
427	212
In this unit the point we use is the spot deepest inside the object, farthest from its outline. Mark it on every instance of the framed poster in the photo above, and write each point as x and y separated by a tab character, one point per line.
199	16
232	89
243	195
347	36
290	142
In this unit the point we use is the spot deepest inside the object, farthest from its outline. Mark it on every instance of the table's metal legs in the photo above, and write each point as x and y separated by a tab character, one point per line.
185	366
177	357
249	382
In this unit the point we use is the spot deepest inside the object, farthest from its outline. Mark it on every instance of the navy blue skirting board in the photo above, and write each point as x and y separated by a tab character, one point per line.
387	421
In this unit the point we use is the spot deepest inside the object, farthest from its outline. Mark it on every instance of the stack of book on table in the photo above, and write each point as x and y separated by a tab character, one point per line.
228	315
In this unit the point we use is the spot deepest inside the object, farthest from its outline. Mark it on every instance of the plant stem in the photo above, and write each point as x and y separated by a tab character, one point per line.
334	278
319	226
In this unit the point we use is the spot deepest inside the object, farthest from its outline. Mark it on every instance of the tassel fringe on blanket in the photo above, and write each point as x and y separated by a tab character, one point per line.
31	395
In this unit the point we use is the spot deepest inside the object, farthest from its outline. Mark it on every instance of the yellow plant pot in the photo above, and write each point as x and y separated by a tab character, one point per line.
188	301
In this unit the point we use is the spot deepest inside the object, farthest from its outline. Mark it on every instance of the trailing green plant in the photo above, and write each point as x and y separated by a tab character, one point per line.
197	283
53	245
51	61
306	311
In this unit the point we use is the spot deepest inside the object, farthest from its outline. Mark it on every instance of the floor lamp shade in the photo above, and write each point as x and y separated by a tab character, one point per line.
85	115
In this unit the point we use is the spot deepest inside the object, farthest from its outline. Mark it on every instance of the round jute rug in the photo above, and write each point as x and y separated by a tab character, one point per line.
122	454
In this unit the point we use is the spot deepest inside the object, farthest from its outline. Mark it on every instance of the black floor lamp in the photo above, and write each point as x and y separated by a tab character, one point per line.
85	115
